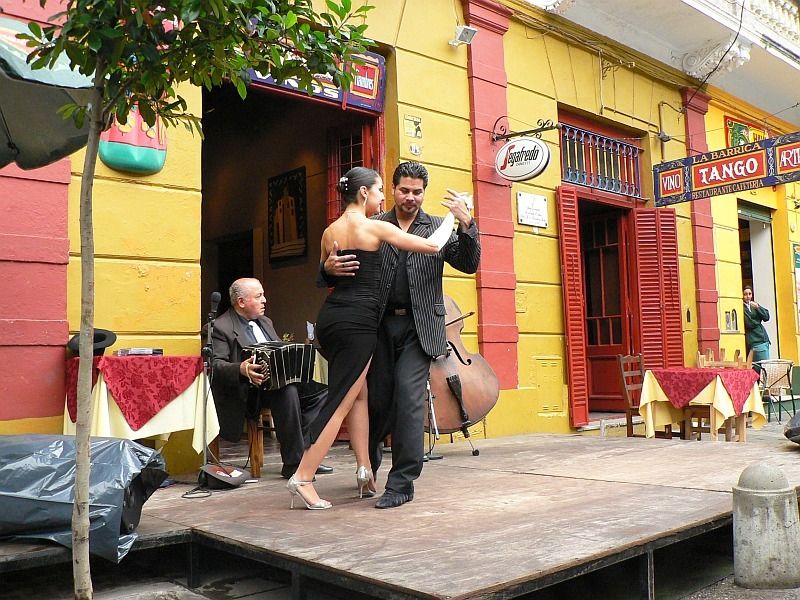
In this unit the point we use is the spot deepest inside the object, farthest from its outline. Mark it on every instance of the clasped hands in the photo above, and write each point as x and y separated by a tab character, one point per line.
253	371
457	202
347	265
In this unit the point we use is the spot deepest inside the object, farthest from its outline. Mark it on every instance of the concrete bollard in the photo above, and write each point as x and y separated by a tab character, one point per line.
766	530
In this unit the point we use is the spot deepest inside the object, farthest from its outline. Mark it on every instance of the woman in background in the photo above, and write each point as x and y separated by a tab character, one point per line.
755	335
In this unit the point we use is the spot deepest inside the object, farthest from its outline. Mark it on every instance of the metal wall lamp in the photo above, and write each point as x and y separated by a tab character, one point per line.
464	35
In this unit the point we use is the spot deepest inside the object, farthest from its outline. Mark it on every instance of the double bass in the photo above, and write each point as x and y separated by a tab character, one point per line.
463	386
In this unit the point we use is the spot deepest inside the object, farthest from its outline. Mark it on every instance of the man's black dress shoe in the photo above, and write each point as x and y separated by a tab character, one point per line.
288	471
392	499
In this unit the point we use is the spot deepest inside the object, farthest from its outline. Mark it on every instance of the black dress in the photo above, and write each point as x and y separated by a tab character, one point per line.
347	329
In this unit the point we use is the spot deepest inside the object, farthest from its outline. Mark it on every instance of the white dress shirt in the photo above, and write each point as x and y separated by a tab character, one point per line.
258	333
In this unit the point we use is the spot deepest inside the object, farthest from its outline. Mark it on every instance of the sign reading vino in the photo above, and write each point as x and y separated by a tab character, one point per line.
749	166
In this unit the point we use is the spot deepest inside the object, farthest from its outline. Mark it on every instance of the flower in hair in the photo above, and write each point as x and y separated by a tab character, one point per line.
343	179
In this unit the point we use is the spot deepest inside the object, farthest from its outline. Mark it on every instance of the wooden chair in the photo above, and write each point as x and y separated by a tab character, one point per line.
708	360
701	415
631	372
255	437
776	382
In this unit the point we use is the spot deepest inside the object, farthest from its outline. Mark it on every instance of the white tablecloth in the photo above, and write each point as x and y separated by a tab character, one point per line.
184	412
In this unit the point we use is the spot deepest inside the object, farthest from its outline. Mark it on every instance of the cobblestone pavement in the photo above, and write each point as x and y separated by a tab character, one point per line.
727	590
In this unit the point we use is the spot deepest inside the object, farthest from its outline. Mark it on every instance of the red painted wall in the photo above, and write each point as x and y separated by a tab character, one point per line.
496	279
34	251
696	105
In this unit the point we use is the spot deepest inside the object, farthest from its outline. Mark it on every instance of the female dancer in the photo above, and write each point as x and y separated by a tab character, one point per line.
347	328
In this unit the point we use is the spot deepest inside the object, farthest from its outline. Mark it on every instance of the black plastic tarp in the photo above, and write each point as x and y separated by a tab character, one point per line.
792	429
37	476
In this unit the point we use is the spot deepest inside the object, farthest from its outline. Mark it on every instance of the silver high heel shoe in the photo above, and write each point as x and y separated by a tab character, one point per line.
294	486
363	480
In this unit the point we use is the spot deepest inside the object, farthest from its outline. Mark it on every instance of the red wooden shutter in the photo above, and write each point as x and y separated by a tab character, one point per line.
574	317
671	288
660	331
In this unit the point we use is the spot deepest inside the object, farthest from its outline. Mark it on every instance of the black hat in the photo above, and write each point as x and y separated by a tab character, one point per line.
103	338
217	477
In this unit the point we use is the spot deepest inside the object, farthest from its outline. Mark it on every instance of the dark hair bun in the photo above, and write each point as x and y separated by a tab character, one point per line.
342	185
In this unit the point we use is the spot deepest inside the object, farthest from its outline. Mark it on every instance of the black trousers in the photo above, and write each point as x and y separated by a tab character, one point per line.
397	382
293	409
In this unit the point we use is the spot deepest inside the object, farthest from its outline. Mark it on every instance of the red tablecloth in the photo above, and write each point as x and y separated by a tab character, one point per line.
681	384
140	385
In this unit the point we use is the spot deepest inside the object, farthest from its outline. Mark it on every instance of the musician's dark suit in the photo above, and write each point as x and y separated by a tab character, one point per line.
399	369
236	398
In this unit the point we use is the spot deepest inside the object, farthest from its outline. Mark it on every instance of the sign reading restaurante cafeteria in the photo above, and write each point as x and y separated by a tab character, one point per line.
761	163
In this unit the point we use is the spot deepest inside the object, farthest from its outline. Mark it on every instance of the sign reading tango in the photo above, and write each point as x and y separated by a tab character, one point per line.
366	90
761	163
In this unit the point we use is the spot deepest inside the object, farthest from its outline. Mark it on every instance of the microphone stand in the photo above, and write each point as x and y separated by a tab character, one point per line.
208	359
433	428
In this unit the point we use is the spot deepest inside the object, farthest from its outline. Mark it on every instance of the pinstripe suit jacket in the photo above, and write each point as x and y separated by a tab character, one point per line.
462	252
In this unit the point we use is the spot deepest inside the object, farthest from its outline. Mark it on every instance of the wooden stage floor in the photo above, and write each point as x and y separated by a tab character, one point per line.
527	513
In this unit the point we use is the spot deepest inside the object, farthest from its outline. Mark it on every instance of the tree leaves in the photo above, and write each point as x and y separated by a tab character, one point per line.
150	46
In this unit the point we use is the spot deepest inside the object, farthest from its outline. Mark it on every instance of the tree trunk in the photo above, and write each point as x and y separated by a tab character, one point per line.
81	571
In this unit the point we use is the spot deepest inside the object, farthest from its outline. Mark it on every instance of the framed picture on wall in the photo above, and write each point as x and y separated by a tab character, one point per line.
287	215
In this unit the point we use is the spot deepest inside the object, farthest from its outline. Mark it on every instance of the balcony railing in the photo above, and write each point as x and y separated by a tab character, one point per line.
781	16
599	162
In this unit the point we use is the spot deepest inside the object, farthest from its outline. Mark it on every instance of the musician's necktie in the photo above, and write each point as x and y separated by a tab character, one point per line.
258	334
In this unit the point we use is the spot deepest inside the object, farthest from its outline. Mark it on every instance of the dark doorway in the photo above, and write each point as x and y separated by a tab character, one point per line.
235	260
603	254
248	144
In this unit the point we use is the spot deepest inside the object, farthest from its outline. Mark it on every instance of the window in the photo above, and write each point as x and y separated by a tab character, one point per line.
356	145
600	249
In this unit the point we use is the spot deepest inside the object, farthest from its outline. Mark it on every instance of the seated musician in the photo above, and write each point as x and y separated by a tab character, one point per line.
235	382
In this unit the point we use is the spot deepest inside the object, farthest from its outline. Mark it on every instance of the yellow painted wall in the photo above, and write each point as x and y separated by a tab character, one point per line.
427	81
147	255
788	286
147	229
44	425
547	74
726	238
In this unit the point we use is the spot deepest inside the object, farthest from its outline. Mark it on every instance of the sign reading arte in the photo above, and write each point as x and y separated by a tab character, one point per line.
753	165
366	91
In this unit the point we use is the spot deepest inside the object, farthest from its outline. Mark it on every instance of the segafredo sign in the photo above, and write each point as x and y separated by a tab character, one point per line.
522	158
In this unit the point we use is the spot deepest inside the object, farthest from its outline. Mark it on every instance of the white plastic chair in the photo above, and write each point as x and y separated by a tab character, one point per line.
775	382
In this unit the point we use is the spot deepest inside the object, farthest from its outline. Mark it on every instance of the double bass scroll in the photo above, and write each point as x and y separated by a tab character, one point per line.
464	387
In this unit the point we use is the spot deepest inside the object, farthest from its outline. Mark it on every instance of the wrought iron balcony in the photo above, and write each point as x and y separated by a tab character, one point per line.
599	162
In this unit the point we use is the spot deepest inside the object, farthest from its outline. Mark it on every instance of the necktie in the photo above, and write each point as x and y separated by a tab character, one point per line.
258	334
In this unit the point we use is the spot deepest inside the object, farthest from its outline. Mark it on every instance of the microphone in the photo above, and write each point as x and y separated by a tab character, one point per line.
215	298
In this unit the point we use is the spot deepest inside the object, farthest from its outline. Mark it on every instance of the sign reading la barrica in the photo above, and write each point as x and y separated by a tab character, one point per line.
752	165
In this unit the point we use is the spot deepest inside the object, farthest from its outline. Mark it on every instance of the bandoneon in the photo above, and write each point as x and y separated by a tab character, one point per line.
284	362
